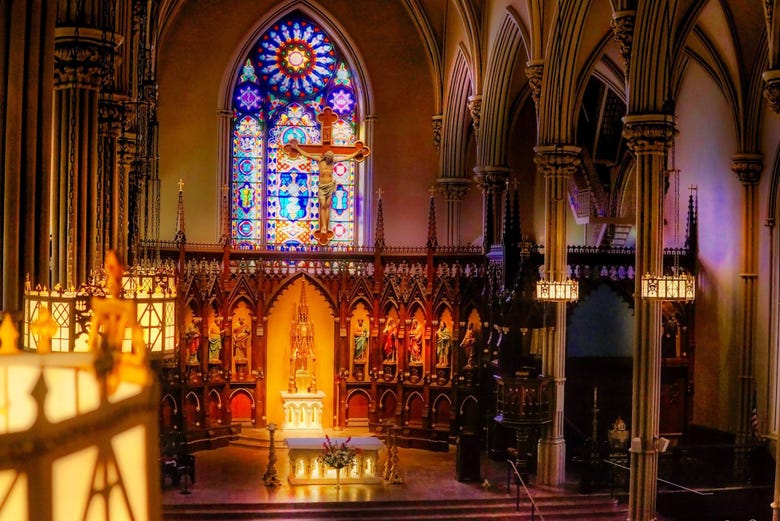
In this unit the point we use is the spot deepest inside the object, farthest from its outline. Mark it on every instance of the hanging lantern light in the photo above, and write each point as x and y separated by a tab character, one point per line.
678	286
557	291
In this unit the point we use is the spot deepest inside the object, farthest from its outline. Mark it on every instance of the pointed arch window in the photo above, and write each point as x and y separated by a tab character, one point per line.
292	73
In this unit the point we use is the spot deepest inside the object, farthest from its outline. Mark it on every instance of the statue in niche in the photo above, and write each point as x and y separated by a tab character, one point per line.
241	336
468	344
302	349
390	344
416	342
443	342
193	343
215	342
360	336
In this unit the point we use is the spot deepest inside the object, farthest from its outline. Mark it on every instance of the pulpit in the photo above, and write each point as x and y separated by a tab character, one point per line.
307	469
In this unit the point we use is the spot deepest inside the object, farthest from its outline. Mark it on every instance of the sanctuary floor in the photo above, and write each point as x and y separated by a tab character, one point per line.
234	474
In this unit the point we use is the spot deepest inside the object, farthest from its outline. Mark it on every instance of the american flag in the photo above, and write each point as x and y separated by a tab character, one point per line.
754	423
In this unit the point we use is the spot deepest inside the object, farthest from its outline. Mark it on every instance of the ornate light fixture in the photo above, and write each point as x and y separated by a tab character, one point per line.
150	290
557	291
678	286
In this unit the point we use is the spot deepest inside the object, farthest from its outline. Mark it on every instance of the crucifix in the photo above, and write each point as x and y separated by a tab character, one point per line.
326	154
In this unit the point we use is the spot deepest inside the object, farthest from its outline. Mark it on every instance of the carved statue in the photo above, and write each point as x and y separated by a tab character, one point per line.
241	336
468	344
193	343
215	343
443	343
390	345
360	335
416	342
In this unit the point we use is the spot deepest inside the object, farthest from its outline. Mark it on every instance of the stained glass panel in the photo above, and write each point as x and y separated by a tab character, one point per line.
292	74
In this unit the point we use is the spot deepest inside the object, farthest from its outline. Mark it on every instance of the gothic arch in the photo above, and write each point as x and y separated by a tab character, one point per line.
334	29
456	127
365	108
432	46
773	206
441	415
353	398
558	98
388	403
470	20
287	284
493	127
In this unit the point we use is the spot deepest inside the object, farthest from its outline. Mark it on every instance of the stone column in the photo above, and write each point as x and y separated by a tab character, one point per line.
81	54
111	114
557	163
492	181
748	169
649	136
26	72
125	156
454	189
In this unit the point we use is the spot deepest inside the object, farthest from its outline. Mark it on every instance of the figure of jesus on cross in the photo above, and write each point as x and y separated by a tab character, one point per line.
327	155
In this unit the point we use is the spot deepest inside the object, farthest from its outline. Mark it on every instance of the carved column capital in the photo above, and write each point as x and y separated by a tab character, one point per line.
748	167
453	188
649	133
558	160
622	24
491	179
772	88
127	149
436	122
475	109
111	114
81	56
534	70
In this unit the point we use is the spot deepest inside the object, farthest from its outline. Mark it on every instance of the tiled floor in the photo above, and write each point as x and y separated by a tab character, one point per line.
234	474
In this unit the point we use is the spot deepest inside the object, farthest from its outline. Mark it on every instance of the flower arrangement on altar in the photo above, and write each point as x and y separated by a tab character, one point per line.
337	455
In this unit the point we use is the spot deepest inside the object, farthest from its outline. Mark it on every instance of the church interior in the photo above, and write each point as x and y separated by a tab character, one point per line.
462	238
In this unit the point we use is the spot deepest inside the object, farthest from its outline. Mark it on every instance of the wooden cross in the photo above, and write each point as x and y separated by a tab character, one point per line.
327	117
181	185
326	154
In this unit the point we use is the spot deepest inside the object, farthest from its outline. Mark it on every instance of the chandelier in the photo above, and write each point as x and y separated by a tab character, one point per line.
557	291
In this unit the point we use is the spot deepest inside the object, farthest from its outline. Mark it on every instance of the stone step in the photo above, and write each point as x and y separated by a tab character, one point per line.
591	508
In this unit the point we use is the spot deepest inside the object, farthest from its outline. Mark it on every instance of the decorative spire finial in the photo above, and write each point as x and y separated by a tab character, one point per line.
432	242
379	241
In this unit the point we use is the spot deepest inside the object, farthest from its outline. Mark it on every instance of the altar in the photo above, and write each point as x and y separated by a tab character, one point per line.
302	412
306	469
